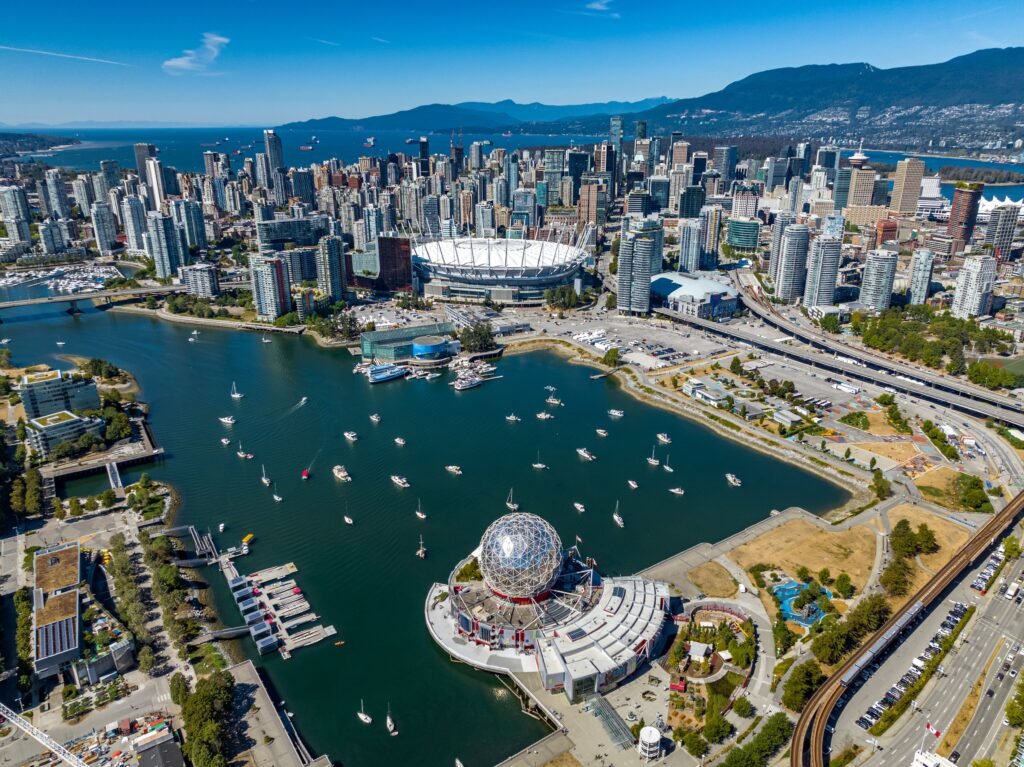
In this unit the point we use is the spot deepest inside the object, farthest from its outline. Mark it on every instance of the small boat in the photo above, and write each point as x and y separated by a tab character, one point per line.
375	418
264	479
348	520
618	517
459	763
431	376
340	644
220	528
676	490
666	467
551	388
363	716
453	469
586	454
421	552
733	480
60	343
195	332
340	473
553	401
652	460
303	401
351	436
305	474
266	340
191	340
5	341
545	416
391	723
400	441
227	419
419	510
632	484
225	441
579	507
616	413
240	452
235	394
664	439
512	418
602	432
370	142
400	481
510	504
277	498
537	464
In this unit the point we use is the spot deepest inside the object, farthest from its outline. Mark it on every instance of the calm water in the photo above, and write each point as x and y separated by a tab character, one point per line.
183	148
365	580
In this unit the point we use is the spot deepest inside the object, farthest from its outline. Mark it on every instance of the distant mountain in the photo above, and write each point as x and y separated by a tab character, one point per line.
431	117
537	112
977	95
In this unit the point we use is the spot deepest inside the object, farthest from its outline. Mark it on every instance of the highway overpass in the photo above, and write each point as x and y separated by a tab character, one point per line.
1009	413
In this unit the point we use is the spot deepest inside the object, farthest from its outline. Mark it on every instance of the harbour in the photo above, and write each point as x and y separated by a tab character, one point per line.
362	577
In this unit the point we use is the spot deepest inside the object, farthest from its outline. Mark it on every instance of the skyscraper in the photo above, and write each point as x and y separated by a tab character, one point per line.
641	129
691	201
710	220
862	186
841	189
554	165
593	203
1002	222
211	161
270	291
906	189
689	245
964	213
164	244
921	265
330	268
726	158
636	252
273	149
57	193
879	275
792	267
974	285
822	271
782	220
133	214
104	227
188	215
142	153
155	181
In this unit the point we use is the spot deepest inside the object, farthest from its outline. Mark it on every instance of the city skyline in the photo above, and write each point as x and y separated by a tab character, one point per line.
342	61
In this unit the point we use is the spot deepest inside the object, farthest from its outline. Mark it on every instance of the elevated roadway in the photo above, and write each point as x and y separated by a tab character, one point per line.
808	746
111	295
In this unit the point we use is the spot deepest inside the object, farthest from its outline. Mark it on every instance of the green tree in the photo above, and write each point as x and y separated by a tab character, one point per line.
695	745
58	508
1011	547
926	542
180	688
803	574
824	576
736	367
147	660
75	507
716	728
107	498
801	684
895	578
611	358
843	586
830	323
881	486
477	338
742	707
830	645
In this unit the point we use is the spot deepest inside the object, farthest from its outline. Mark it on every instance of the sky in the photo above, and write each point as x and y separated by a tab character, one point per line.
253	62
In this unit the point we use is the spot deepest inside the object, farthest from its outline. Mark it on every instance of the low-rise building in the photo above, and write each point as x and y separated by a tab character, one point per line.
48	431
50	391
694	296
398	344
787	418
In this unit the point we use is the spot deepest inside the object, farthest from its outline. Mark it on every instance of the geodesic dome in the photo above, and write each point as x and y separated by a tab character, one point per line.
520	555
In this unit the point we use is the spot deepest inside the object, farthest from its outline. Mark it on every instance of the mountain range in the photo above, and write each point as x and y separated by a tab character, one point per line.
978	96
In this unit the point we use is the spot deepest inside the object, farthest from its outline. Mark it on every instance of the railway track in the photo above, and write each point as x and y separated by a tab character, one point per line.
814	718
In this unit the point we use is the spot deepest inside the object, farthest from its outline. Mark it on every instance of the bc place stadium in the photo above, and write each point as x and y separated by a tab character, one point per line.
509	271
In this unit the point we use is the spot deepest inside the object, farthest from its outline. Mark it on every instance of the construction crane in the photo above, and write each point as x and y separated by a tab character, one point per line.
41	737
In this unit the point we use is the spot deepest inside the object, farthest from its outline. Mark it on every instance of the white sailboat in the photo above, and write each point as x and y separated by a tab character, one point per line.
392	729
277	498
421	552
537	464
347	518
618	517
666	467
235	394
652	460
363	716
266	340
264	479
419	509
509	503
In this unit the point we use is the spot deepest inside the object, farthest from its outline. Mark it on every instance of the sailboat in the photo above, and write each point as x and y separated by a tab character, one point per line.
652	460
235	394
391	723
347	518
666	467
363	716
419	509
510	504
277	498
266	340
537	464
421	552
264	479
240	452
618	517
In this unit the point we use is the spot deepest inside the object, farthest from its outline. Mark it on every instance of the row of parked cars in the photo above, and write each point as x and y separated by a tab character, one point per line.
980	583
899	689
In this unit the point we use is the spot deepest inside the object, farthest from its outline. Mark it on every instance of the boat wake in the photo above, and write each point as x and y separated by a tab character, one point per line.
294	408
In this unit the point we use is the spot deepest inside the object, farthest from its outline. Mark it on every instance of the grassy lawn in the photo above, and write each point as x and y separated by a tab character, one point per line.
207	659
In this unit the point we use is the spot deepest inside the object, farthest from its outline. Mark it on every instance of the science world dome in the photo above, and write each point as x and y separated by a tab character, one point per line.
520	555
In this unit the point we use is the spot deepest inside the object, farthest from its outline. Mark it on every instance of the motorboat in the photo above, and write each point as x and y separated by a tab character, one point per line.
191	340
537	464
666	467
431	376
363	716
264	478
60	343
235	394
453	469
510	504
400	441
348	520
616	413
733	480
664	439
601	432
340	473
351	436
586	454
512	418
652	460
306	474
553	401
220	527
468	382
4	341
579	507
227	420
375	417
225	441
544	416
421	552
391	723
618	517
386	372
400	481
676	490
632	484
419	510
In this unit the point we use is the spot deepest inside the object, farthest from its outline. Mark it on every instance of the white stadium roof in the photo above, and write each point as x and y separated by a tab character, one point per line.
494	254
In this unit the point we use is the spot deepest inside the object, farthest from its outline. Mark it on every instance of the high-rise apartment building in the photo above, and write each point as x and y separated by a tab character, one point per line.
964	213
637	251
330	268
155	182
710	219
142	153
270	290
554	166
823	271
906	189
792	267
163	244
273	149
57	193
974	284
921	265
879	275
133	216
782	220
725	158
1002	222
104	227
689	245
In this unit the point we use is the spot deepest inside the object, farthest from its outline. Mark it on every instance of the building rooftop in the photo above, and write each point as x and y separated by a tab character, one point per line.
43	375
56	609
53	419
677	285
57	568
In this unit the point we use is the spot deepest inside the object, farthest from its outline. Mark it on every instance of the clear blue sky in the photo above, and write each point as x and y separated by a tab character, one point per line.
259	62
